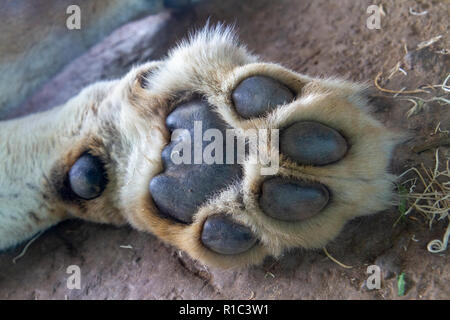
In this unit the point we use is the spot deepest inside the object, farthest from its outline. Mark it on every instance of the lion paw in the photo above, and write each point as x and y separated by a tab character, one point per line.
231	159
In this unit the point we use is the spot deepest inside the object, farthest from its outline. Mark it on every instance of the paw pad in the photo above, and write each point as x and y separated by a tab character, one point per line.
292	200
312	143
183	187
87	177
225	236
258	95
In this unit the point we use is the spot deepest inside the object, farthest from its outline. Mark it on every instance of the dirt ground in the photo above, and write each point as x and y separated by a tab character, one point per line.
314	37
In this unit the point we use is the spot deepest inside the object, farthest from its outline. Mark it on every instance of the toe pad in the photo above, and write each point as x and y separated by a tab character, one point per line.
258	95
312	143
292	200
222	235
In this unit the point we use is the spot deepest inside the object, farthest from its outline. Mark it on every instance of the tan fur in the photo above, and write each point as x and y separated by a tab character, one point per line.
123	123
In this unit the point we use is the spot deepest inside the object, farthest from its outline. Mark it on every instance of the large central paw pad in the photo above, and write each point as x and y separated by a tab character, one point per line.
185	185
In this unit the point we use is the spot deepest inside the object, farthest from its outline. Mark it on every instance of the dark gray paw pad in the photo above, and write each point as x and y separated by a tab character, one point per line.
87	177
182	188
292	200
258	95
312	143
224	236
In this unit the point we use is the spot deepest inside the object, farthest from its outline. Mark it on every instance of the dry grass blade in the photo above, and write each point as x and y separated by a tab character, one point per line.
377	84
335	260
434	201
428	43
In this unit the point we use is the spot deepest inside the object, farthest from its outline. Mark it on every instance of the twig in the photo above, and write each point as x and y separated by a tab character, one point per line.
414	13
428	43
24	250
438	128
436	246
335	260
419	106
126	247
444	84
377	78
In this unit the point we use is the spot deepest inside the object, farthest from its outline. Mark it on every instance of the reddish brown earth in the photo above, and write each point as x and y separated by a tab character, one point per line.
314	37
